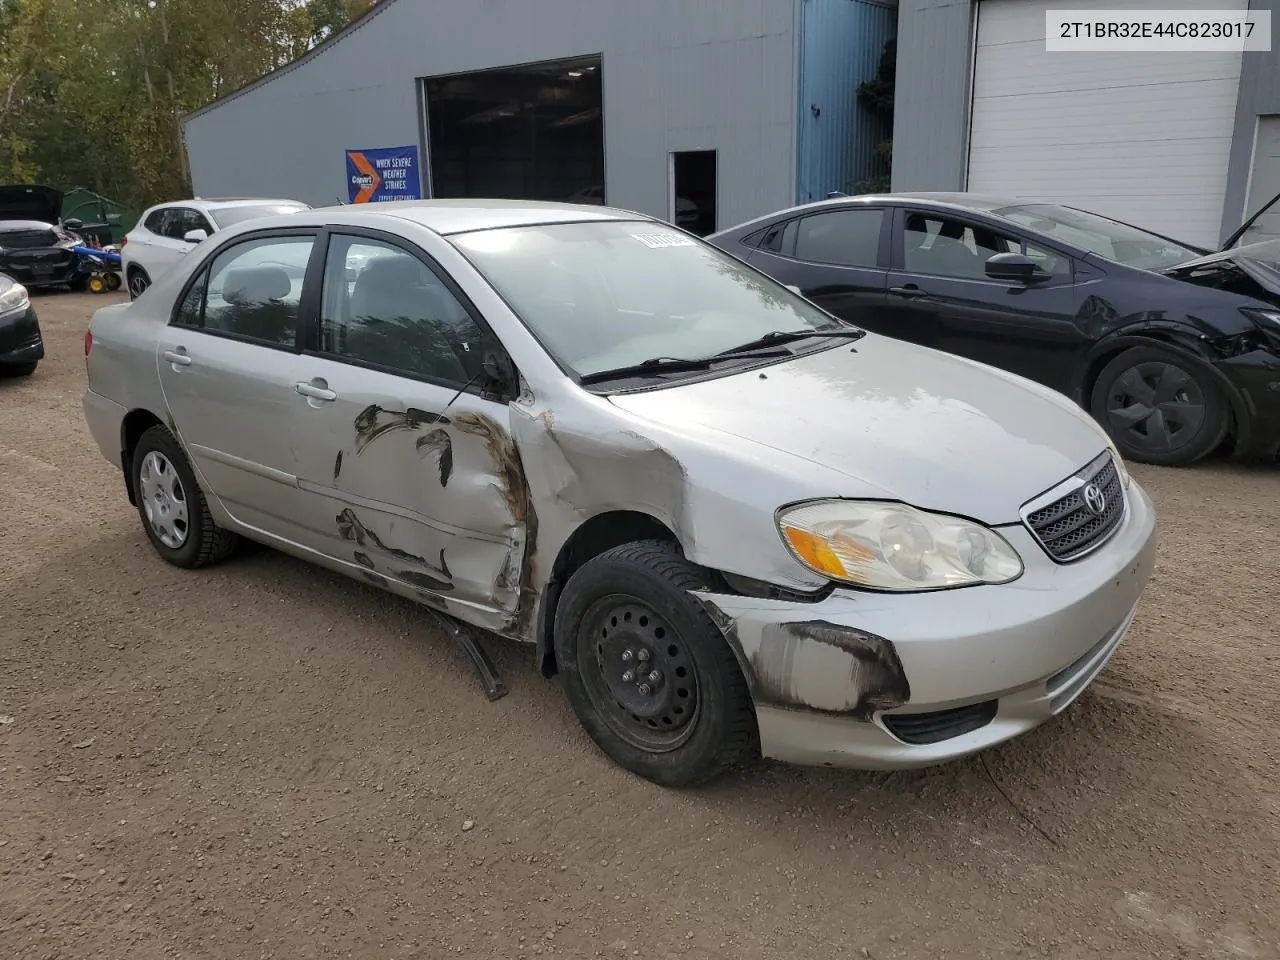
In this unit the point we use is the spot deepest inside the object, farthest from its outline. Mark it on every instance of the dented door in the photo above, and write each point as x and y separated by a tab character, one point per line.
409	472
408	489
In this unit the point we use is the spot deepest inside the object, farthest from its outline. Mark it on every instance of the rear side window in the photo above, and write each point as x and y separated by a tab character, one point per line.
155	221
251	291
847	238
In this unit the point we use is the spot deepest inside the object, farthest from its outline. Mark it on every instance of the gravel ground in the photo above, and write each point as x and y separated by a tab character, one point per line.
264	760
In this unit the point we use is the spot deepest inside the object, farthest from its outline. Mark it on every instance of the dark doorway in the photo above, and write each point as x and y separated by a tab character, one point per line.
532	132
693	185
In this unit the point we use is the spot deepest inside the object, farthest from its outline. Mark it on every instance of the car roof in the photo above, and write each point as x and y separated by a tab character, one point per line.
226	202
459	216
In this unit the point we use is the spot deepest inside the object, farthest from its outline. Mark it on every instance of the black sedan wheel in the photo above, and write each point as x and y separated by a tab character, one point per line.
1160	406
649	675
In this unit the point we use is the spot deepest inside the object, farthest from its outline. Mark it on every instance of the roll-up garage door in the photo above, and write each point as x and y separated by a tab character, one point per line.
1141	137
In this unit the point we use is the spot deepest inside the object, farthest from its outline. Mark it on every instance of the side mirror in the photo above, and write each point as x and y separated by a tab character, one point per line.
499	371
73	223
1014	267
195	236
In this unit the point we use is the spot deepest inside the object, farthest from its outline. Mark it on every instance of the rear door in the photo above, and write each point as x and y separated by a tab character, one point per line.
167	246
228	361
838	258
939	288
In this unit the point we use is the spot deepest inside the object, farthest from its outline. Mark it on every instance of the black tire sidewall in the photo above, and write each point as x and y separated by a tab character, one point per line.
696	759
160	440
1217	418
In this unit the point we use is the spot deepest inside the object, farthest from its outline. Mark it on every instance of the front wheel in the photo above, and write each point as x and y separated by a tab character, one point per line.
651	678
19	370
79	285
172	506
1160	406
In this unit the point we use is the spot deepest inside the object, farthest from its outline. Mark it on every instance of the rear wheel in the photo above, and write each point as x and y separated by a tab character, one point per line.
138	282
113	281
1160	406
172	506
649	675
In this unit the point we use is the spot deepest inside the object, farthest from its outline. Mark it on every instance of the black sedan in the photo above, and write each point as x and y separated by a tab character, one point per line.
35	248
21	346
1174	350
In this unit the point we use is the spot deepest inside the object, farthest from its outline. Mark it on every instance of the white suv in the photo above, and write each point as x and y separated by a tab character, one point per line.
167	231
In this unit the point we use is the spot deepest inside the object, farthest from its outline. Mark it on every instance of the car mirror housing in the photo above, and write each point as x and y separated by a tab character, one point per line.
499	372
195	236
1013	266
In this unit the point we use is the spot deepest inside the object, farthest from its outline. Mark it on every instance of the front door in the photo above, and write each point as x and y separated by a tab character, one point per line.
939	287
228	361
409	471
834	257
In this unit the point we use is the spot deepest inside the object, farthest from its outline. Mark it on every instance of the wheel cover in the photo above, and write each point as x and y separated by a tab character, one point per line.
164	500
1156	407
638	674
137	284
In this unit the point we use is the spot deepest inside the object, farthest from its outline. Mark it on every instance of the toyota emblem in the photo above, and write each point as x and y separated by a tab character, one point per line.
1095	501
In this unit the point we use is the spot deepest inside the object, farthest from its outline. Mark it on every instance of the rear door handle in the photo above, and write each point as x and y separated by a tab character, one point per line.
910	291
315	390
176	357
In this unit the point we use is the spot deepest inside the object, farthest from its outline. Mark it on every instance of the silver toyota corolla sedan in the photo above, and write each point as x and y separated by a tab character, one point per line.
733	524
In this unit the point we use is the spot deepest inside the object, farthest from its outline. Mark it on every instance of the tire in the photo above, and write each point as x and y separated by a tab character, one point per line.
696	719
113	282
1160	406
78	285
165	487
138	282
19	369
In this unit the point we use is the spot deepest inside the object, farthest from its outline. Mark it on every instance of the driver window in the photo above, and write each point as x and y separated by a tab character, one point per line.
384	307
944	247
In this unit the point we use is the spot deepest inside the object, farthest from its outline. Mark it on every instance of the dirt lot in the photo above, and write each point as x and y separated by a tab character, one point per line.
264	760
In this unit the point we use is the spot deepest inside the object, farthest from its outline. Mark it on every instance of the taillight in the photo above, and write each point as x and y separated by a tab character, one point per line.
88	342
123	242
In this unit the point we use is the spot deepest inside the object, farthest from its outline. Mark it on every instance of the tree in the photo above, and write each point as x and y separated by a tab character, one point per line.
876	97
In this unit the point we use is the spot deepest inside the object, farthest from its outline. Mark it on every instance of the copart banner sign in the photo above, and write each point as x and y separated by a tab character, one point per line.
383	173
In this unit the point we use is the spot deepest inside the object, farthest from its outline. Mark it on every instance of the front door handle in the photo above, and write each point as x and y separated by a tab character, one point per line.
177	357
316	390
909	291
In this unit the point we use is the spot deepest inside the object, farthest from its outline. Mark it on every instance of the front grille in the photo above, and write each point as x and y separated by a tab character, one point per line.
1068	527
934	727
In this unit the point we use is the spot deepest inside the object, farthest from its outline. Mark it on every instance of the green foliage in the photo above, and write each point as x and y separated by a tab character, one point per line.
876	96
92	92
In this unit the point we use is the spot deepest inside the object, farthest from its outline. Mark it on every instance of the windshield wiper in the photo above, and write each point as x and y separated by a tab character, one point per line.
775	337
674	365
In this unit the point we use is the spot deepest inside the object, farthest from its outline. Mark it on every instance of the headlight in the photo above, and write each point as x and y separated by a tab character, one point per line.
1263	318
891	546
14	299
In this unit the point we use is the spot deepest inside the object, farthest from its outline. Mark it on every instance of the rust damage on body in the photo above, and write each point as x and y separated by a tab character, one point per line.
799	655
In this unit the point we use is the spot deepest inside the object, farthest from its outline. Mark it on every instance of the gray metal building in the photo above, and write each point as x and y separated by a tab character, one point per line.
1185	143
717	110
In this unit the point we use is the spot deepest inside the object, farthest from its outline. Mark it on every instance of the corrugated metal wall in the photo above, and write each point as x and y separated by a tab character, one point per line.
678	75
931	99
841	48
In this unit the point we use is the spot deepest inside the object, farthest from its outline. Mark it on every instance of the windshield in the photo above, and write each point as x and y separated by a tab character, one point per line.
1101	235
609	294
227	216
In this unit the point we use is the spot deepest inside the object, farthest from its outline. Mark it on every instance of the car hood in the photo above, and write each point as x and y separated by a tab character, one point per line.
25	202
1261	261
901	421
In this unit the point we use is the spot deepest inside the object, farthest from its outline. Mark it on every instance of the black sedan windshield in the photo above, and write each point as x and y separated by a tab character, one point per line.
606	295
1101	235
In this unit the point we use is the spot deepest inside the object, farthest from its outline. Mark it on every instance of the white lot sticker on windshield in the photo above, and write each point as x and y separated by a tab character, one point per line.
656	240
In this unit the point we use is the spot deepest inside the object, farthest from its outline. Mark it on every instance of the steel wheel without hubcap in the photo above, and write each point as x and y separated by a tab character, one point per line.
1158	405
641	680
164	500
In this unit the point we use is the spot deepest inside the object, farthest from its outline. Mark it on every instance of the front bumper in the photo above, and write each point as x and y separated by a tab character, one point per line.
1256	377
880	681
41	268
20	340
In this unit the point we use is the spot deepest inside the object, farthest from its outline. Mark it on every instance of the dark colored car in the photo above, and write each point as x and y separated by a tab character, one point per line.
1174	350
35	247
21	346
